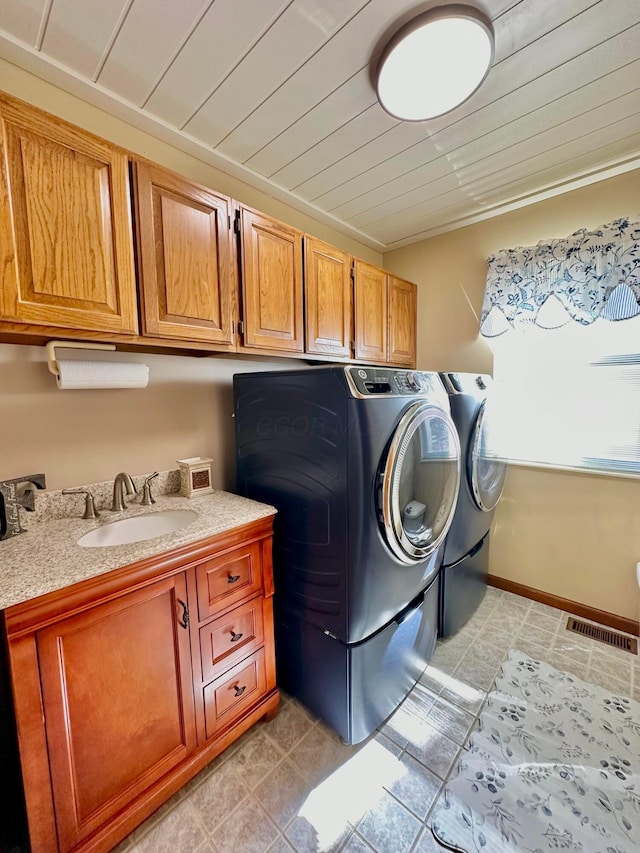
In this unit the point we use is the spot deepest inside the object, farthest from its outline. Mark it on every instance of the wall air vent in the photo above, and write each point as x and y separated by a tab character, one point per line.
603	635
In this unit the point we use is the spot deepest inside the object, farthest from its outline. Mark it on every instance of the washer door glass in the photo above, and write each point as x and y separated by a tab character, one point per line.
486	471
419	482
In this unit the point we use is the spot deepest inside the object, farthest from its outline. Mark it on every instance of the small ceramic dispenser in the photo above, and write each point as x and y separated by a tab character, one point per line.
195	476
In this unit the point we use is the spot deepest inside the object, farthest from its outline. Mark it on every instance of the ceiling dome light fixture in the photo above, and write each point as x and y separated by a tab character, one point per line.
435	62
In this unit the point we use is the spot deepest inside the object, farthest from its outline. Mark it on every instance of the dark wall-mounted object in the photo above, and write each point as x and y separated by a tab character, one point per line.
9	503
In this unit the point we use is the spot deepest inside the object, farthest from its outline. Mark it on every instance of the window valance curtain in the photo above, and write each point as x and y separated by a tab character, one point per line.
583	277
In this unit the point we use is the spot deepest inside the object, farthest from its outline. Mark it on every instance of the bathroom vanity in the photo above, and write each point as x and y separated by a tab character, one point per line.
129	681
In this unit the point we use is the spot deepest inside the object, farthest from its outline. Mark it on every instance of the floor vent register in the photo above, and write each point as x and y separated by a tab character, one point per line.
603	635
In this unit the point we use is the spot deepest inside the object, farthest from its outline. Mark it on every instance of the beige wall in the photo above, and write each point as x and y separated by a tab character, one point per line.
79	437
573	535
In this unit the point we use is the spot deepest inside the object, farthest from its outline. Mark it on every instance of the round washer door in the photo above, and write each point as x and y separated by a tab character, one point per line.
486	473
419	482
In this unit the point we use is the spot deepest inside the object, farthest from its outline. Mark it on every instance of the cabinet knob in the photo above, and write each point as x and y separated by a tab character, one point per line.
239	690
233	578
235	637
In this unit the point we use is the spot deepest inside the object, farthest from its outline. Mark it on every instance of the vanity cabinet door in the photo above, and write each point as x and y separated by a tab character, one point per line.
118	703
370	312
66	241
184	253
402	322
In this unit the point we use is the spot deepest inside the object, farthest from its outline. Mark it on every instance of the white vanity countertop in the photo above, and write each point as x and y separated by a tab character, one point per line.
47	557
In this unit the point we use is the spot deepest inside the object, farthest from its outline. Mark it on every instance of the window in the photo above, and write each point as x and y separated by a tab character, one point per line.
569	398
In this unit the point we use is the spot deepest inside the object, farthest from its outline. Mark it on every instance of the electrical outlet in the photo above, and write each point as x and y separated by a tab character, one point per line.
10	501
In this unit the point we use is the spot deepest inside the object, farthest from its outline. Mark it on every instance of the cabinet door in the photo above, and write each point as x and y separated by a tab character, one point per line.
327	286
271	283
66	243
184	252
118	703
370	312
402	322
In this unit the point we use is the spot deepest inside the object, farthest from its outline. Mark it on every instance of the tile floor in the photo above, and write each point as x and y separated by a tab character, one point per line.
291	785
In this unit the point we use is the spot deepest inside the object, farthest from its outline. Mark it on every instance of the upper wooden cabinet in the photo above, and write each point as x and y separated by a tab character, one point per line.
327	281
271	258
370	312
66	244
183	239
69	257
402	321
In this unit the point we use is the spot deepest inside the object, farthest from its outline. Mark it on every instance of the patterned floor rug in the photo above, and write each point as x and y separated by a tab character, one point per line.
553	766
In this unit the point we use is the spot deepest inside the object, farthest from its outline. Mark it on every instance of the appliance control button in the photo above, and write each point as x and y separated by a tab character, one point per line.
416	381
455	381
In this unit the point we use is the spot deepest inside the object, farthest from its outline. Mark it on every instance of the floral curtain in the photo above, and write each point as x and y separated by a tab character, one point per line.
589	275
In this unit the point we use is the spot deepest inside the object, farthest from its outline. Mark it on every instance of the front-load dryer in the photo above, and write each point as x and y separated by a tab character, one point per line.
466	550
362	464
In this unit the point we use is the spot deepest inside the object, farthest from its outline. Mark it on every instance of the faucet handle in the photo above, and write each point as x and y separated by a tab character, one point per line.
90	510
147	497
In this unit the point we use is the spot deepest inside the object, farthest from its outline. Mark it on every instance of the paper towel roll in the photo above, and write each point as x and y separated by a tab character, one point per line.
101	374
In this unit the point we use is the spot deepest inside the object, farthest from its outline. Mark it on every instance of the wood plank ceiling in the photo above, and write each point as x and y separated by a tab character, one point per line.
278	92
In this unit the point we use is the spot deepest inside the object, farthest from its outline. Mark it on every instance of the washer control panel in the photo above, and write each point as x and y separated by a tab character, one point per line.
388	382
466	383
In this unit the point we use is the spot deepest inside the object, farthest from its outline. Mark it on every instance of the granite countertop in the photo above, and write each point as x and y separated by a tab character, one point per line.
47	557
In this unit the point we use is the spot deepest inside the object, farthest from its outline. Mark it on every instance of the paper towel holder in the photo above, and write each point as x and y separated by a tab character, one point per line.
78	374
52	362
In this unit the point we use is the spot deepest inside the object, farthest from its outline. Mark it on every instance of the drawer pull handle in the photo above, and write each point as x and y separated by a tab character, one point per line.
239	690
233	578
185	614
235	637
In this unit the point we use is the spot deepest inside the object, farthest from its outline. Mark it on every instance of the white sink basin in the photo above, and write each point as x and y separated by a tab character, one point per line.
138	528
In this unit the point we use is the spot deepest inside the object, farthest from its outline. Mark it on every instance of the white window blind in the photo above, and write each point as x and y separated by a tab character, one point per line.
569	398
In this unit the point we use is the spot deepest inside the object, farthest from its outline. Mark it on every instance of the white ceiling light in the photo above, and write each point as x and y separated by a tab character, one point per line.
435	62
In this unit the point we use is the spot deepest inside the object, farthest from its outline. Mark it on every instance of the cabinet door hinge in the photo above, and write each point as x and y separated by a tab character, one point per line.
236	222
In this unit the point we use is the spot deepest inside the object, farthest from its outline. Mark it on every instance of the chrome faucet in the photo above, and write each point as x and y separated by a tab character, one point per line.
122	485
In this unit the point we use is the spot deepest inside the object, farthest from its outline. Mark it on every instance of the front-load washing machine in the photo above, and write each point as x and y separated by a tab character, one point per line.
362	464
466	549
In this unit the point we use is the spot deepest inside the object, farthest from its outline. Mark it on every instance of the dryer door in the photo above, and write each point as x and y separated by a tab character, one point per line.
486	472
419	482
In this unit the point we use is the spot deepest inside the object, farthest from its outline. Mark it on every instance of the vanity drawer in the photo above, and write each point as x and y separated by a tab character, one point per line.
231	637
228	579
229	696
